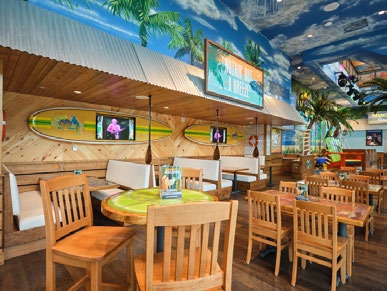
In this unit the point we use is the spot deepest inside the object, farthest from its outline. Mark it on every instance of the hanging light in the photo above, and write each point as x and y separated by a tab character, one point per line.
342	80
256	151
216	155
148	155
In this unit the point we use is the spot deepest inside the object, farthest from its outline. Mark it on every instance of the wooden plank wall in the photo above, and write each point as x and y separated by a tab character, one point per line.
22	145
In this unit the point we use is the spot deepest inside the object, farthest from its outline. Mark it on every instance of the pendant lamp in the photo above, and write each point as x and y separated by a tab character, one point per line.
256	151
216	155
148	155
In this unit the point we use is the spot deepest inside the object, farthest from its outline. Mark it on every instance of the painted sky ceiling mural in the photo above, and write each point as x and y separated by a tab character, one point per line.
200	19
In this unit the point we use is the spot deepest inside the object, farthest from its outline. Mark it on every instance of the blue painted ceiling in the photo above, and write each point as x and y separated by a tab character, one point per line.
313	34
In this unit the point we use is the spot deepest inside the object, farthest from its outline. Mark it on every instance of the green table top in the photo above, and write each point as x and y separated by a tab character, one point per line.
137	201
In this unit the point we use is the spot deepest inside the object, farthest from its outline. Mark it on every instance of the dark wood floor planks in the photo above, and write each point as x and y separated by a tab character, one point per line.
369	271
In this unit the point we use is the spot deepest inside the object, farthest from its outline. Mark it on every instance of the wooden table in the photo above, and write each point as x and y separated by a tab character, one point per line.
347	213
99	184
131	206
235	171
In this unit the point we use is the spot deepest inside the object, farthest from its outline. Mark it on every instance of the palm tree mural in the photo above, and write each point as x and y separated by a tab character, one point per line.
187	42
227	45
139	11
374	98
253	51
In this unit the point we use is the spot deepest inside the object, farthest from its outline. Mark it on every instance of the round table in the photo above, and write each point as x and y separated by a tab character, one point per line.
131	206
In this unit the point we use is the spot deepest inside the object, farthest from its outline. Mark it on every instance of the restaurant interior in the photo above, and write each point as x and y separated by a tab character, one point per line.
199	134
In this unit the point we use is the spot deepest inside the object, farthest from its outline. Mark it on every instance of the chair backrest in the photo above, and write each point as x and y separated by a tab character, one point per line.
315	227
361	190
67	206
359	178
375	175
185	266
348	170
314	184
192	178
330	176
288	187
338	194
264	211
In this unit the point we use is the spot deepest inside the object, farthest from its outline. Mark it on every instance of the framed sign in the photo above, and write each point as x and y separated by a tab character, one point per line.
374	137
230	77
276	141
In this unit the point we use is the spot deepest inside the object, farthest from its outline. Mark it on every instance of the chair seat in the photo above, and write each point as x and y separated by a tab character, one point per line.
140	270
93	243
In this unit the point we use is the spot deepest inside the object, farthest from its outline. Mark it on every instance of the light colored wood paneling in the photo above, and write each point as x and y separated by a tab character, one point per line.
22	145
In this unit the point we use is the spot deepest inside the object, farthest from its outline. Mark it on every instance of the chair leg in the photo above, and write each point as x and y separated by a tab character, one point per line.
294	268
249	246
50	275
334	275
278	259
343	268
130	278
290	251
96	276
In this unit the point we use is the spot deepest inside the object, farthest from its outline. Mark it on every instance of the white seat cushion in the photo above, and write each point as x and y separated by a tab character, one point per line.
14	194
242	178
31	210
208	186
102	194
226	183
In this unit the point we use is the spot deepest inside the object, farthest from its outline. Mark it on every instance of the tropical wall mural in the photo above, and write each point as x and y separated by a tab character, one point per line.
178	28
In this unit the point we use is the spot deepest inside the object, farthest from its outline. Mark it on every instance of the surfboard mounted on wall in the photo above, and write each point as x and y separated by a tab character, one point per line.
209	135
95	126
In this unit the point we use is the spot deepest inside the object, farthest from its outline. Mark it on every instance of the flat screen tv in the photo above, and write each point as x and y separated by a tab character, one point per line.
218	135
111	127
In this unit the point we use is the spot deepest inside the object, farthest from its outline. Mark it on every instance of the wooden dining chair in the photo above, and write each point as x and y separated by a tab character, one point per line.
358	178
361	189
348	170
186	266
330	176
343	195
314	184
375	176
315	239
288	187
71	238
266	225
192	178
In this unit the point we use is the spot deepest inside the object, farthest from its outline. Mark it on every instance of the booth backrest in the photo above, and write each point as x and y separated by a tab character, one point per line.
131	175
211	168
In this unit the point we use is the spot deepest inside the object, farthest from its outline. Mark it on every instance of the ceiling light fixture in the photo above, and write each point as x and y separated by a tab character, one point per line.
381	12
77	92
342	80
331	6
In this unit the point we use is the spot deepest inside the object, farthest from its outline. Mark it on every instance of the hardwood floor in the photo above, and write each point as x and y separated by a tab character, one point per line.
369	270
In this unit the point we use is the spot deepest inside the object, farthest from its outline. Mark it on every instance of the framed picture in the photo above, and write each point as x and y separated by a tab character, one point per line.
230	77
374	137
276	140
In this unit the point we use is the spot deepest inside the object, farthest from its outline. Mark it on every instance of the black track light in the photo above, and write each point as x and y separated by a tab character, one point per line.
342	80
361	102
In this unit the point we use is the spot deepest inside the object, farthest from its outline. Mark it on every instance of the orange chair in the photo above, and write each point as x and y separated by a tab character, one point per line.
315	239
343	195
183	265
265	224
314	184
288	187
376	179
71	238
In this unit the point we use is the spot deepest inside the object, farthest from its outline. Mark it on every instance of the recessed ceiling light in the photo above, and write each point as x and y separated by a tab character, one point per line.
310	35
41	87
381	12
331	6
299	67
249	118
166	107
328	23
279	0
77	92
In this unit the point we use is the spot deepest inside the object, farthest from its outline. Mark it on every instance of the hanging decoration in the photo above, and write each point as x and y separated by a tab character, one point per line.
216	155
256	151
148	155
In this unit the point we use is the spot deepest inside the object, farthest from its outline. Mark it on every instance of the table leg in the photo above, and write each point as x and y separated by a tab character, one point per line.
234	185
270	177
